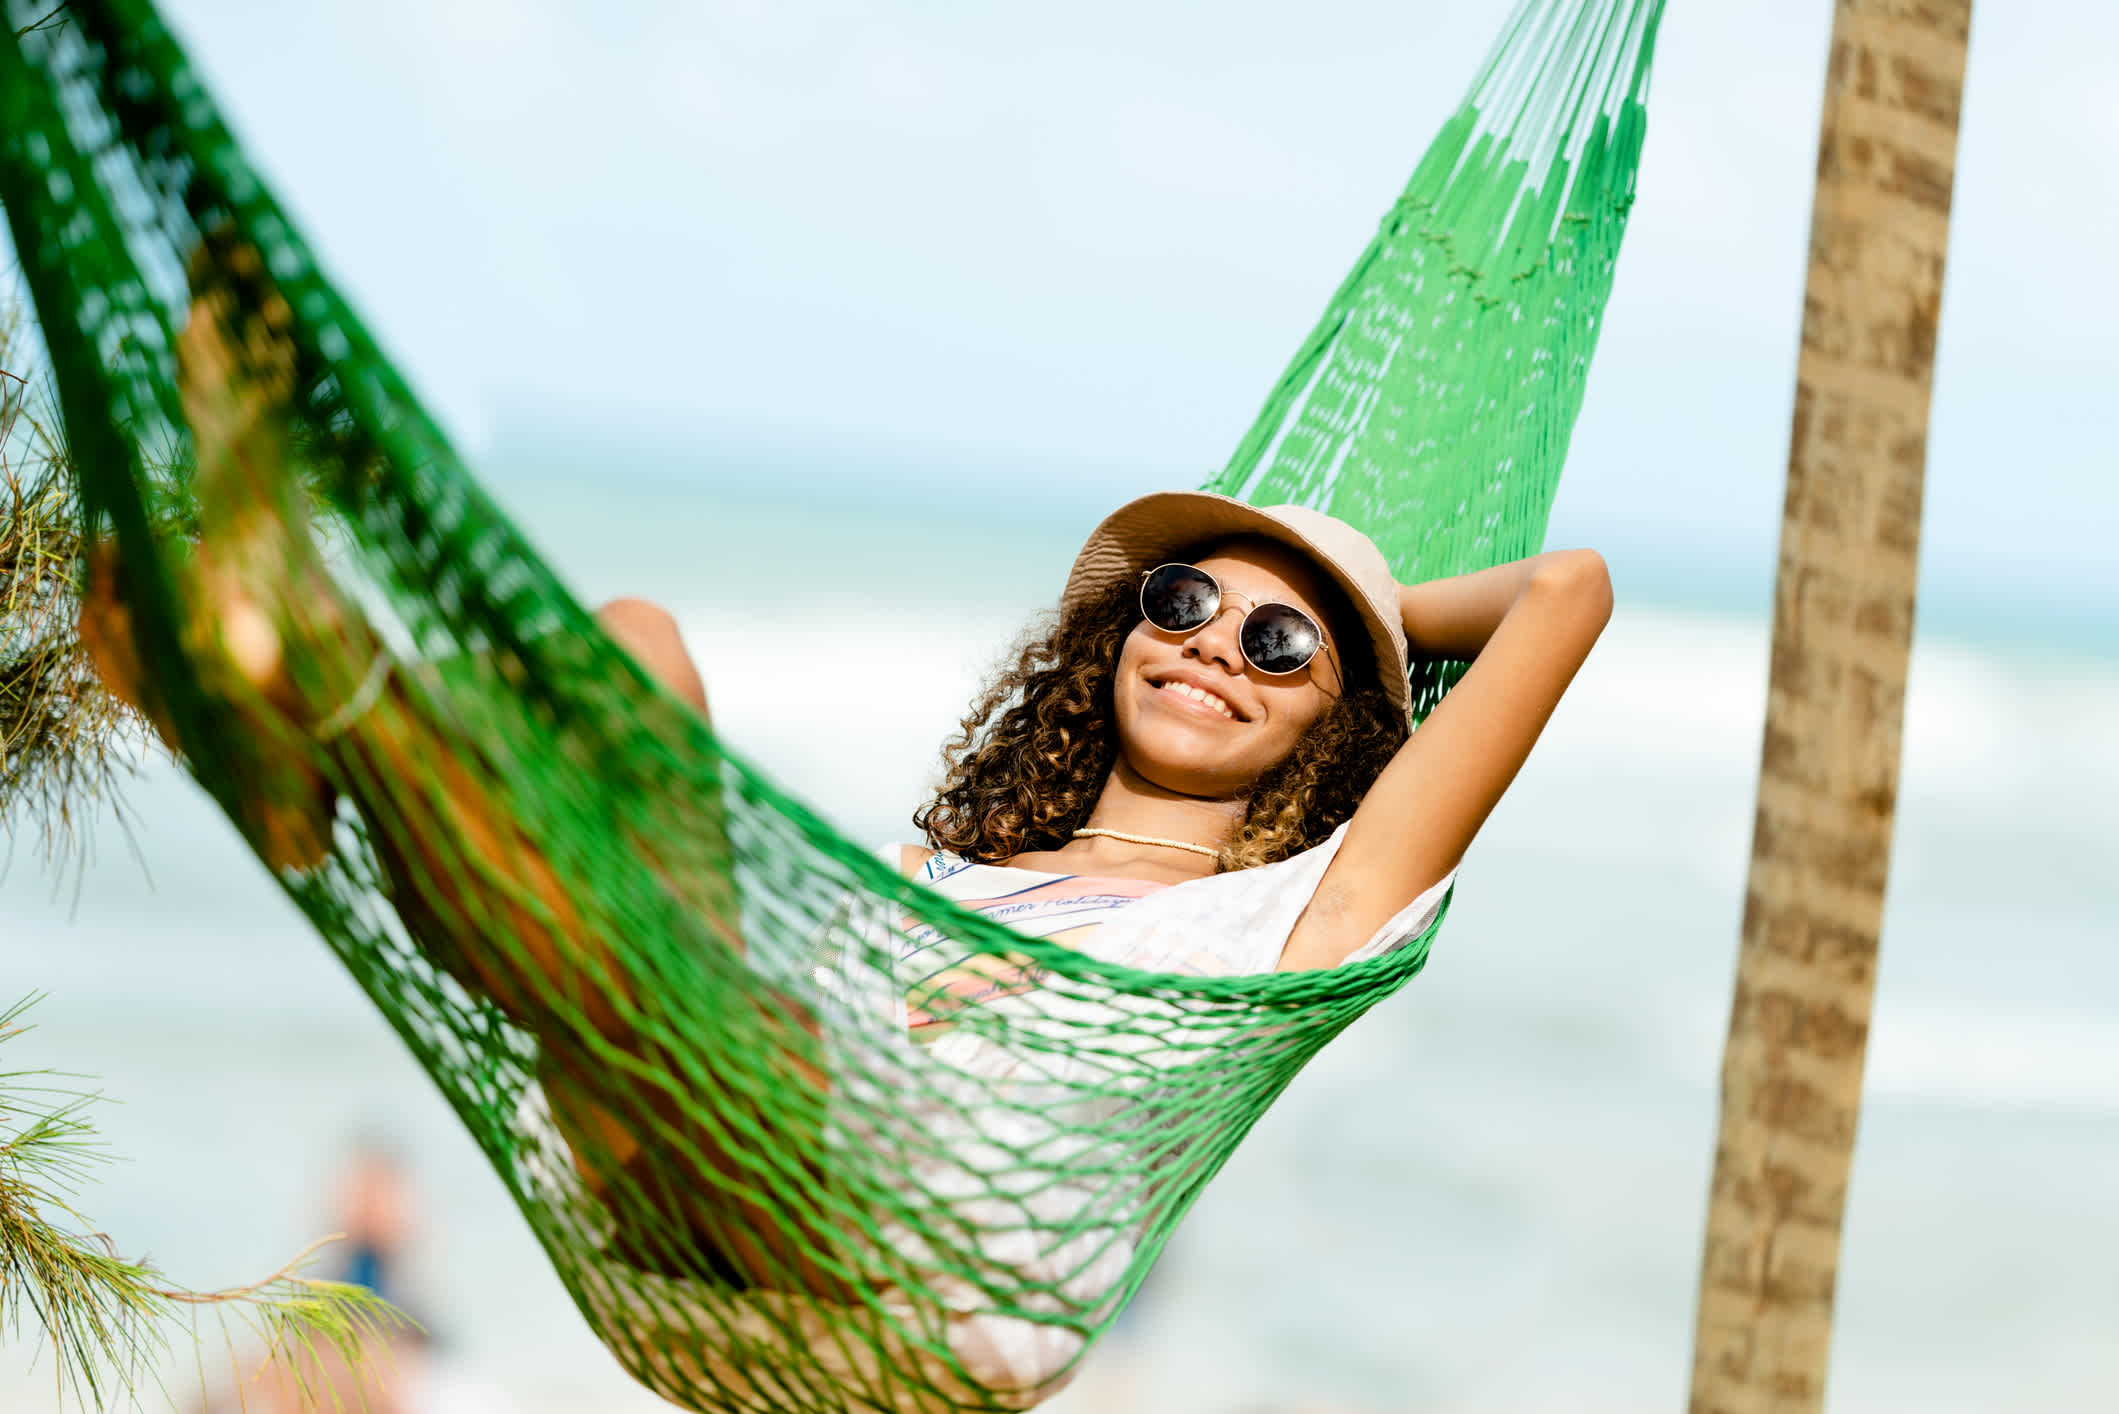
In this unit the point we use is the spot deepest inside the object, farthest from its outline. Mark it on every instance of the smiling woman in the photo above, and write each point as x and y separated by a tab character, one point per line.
1172	731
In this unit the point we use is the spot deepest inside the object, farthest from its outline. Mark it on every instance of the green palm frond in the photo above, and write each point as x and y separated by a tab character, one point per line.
66	742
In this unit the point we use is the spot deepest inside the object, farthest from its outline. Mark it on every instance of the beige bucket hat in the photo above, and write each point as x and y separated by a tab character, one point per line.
1159	527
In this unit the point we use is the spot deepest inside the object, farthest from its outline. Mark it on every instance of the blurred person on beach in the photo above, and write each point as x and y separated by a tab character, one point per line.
375	1216
395	1369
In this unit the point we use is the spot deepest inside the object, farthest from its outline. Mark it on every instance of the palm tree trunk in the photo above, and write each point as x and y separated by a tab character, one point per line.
1828	778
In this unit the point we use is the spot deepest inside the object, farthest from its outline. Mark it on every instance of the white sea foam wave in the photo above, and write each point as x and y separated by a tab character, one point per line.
849	711
1689	689
1952	1054
1948	1053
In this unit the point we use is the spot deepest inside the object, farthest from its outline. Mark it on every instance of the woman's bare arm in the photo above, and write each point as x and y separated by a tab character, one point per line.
1528	627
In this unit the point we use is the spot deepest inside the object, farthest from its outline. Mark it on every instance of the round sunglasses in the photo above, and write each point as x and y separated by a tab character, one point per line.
1277	639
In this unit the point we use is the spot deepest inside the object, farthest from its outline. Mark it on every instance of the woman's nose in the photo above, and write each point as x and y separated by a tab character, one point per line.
1218	639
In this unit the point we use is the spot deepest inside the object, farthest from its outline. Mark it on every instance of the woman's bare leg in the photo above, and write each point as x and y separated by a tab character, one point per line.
471	885
476	890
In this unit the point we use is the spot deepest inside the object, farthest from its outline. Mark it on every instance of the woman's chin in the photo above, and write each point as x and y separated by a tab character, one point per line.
1189	768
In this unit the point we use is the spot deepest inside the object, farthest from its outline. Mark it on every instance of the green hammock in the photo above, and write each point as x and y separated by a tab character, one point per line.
657	990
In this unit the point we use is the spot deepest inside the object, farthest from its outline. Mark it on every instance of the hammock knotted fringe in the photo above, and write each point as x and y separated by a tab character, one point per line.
658	991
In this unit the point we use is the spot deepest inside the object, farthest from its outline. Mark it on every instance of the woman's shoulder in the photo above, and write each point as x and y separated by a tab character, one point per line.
908	859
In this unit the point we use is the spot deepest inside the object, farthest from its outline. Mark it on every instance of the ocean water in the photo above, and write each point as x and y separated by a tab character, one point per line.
1488	1195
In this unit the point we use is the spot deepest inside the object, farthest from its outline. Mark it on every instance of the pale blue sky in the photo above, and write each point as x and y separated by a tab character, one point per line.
1078	245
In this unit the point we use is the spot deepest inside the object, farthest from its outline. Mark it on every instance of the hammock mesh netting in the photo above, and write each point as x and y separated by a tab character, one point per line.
658	991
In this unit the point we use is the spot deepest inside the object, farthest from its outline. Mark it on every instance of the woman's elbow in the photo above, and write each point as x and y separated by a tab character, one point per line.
1581	579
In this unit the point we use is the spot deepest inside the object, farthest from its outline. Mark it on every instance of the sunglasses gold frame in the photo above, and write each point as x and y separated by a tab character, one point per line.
1222	596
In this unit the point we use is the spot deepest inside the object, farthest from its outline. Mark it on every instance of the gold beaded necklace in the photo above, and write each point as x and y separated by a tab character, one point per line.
1208	850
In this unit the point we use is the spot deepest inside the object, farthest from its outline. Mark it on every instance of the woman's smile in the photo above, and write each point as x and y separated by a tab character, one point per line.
1185	693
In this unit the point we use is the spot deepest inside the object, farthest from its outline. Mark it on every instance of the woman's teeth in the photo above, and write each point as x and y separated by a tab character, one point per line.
1200	695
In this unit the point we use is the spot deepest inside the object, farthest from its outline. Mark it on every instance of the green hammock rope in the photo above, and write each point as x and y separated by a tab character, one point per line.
656	989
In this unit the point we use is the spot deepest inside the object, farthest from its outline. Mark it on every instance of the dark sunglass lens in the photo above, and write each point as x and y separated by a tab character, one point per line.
1179	598
1280	639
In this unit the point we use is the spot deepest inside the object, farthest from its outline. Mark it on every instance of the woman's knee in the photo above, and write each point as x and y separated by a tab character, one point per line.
650	634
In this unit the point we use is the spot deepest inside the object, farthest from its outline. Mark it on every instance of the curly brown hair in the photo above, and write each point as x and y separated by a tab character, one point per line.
1039	742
